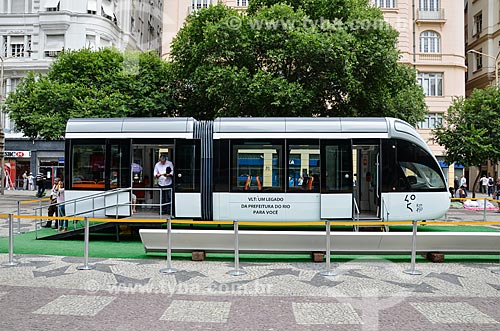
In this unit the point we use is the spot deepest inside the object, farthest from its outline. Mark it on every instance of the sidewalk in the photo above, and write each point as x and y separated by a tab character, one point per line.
48	292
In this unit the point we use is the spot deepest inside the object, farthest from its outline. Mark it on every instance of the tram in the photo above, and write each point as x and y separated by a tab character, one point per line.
262	169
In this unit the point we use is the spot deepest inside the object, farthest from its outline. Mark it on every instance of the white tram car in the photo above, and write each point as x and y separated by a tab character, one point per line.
260	169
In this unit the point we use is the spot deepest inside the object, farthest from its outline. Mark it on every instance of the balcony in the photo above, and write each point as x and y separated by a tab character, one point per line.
430	57
431	16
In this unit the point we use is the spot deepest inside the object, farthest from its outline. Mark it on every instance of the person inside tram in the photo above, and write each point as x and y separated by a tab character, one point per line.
164	172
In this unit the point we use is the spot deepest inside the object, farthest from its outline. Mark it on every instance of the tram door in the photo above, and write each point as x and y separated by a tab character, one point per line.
366	190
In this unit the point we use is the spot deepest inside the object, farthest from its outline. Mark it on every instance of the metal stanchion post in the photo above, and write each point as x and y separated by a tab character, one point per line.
18	219
484	210
11	262
328	271
237	271
169	269
412	271
86	265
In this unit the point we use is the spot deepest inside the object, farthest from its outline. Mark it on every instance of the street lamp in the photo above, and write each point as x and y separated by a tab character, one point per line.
491	57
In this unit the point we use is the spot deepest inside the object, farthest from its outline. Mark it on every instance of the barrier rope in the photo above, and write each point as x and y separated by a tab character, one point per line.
268	223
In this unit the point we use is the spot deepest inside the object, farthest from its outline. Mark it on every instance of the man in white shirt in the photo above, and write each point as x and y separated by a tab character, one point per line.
164	171
484	184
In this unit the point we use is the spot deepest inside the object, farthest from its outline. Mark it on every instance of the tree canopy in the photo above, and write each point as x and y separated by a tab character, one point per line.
293	58
470	131
281	58
85	83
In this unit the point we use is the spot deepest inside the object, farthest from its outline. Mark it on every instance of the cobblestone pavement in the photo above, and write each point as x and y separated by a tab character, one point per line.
48	292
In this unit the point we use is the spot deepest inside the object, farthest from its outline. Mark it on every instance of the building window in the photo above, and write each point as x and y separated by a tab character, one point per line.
15	46
242	3
478	23
92	7
199	4
430	42
52	5
432	121
479	60
385	3
432	83
54	45
428	5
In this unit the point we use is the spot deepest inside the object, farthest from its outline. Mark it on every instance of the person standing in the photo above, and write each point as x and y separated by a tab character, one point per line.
164	171
491	182
25	180
31	187
484	184
63	225
40	183
53	209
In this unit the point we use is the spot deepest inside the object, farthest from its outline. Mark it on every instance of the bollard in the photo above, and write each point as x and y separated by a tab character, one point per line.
169	269
412	271
497	271
237	271
328	271
484	210
11	262
86	265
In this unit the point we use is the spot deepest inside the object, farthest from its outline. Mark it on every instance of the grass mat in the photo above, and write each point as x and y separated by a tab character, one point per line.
105	246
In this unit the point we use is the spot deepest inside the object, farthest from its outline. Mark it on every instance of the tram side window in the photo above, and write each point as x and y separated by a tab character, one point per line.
303	168
257	167
88	166
420	169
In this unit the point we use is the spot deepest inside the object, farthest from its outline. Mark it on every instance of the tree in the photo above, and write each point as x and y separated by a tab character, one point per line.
87	83
293	58
470	131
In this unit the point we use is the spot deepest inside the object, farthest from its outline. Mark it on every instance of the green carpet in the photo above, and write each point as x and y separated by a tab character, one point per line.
105	246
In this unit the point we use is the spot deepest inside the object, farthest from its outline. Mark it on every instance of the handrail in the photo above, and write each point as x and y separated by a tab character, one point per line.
388	213
356	227
108	193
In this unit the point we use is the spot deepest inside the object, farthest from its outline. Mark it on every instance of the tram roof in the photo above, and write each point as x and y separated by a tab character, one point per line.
302	125
128	127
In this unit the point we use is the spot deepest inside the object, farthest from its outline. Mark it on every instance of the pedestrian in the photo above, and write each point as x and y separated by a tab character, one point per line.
164	171
53	208
30	182
63	225
491	182
25	180
40	183
484	184
456	183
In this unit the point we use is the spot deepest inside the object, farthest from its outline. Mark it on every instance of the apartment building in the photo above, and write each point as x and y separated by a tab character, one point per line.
482	46
176	12
431	40
482	42
34	32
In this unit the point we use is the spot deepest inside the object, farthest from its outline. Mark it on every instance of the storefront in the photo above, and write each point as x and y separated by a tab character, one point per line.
33	156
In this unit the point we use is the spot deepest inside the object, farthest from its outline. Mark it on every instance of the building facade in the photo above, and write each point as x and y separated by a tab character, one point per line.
34	32
431	40
482	42
482	46
176	12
